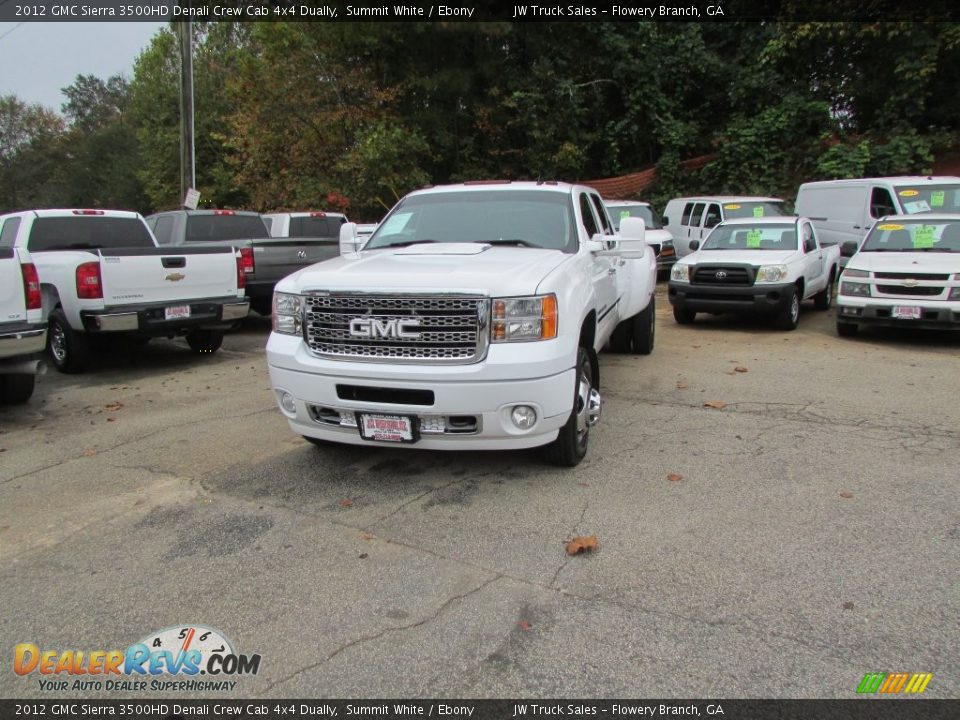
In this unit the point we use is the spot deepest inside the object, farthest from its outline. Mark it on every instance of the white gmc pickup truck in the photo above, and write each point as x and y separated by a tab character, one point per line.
102	272
471	319
23	333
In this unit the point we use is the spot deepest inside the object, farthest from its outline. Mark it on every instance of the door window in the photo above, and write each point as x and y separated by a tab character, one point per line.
586	216
713	216
881	203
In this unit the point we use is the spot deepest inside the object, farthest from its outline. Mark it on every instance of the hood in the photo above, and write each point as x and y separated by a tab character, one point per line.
906	262
739	257
465	267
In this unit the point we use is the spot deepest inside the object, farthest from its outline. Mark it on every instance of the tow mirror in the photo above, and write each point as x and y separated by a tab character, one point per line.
694	245
848	248
349	242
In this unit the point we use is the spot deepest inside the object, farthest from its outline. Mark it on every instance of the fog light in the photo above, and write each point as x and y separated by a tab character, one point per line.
288	403
524	417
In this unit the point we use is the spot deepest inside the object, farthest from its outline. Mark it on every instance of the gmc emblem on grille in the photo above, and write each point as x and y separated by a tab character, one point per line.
721	275
373	328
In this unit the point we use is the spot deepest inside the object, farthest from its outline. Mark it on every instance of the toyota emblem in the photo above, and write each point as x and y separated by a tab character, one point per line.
721	275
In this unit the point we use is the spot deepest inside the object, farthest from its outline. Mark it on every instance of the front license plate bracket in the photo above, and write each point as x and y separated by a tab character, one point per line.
384	427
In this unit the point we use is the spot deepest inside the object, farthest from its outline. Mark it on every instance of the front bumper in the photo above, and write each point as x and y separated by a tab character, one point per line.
150	319
456	407
22	339
865	311
765	299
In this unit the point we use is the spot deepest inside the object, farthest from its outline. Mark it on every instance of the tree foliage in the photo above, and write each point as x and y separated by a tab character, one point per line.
353	115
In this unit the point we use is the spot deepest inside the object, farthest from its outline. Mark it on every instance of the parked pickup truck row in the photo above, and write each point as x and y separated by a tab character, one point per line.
101	272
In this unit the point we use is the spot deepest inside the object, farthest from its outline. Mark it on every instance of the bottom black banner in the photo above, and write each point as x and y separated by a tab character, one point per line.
856	709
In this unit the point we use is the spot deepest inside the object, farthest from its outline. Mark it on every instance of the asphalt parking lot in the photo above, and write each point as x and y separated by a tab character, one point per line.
814	535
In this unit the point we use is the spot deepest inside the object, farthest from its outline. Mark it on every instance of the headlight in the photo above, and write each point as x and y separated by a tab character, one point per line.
523	319
955	292
680	273
852	273
855	288
771	273
287	313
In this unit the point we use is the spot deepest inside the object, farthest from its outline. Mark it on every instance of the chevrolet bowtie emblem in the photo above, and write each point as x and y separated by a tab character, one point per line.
175	277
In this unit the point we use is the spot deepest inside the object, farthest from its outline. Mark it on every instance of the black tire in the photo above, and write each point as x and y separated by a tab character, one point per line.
620	340
847	329
68	349
205	341
644	329
570	447
789	317
684	316
824	299
16	389
262	306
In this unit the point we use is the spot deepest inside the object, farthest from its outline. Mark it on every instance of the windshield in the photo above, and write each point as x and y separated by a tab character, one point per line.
752	237
649	216
225	227
924	198
88	232
914	237
510	217
759	209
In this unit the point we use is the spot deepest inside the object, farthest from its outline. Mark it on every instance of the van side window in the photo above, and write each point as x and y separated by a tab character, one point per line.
696	214
602	214
688	208
589	224
713	216
881	203
9	232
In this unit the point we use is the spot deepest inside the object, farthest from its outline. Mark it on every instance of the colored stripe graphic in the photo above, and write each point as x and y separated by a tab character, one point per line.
871	682
894	683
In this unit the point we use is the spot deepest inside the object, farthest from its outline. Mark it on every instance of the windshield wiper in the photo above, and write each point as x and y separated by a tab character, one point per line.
405	243
509	241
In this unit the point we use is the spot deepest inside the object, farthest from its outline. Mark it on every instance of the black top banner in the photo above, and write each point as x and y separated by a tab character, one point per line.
628	11
857	709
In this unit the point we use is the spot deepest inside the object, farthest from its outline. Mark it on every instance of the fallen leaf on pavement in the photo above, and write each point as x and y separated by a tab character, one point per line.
674	477
846	495
681	386
89	453
740	369
580	484
346	502
113	407
582	544
848	605
110	419
715	404
364	556
524	625
367	536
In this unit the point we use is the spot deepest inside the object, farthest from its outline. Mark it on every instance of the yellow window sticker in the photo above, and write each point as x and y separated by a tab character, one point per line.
753	238
936	198
758	212
732	206
923	237
909	193
889	227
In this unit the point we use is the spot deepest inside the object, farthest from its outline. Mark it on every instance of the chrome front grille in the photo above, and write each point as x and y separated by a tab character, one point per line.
396	327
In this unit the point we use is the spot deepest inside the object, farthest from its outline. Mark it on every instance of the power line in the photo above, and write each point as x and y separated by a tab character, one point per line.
11	29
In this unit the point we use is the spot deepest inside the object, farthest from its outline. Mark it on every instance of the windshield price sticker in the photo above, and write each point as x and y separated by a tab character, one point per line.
889	227
936	198
909	193
731	206
758	212
753	238
923	237
388	428
624	214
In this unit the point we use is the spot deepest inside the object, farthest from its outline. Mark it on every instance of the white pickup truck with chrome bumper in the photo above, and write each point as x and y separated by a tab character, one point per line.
471	319
906	273
23	333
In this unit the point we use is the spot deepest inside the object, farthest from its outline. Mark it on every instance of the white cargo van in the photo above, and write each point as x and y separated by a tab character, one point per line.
843	210
692	218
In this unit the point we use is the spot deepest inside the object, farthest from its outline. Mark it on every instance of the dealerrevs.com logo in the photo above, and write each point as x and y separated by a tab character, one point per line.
183	658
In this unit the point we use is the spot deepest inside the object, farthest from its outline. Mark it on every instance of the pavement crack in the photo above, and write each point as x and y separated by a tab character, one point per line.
376	636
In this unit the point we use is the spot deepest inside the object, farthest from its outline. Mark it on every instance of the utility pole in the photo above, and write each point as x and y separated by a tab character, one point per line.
188	170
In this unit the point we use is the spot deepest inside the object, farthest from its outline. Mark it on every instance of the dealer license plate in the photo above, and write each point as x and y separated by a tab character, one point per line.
387	428
177	312
907	312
